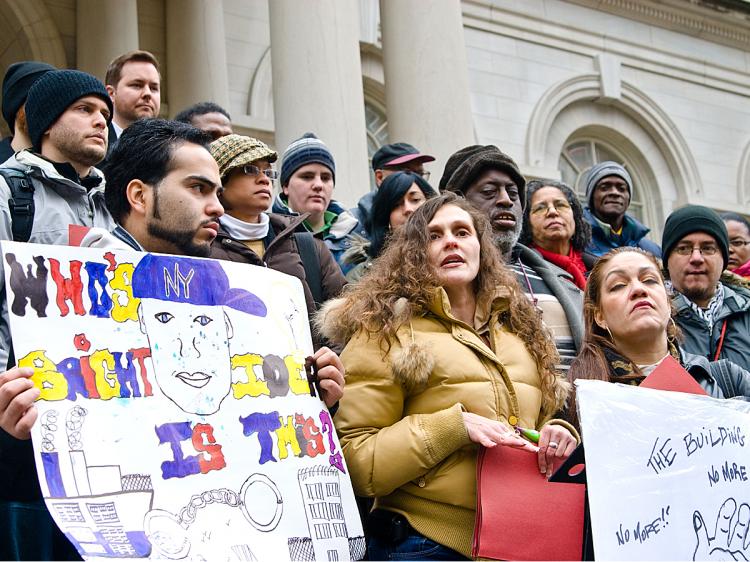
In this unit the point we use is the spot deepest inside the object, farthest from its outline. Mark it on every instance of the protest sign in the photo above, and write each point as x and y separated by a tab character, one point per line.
175	418
668	473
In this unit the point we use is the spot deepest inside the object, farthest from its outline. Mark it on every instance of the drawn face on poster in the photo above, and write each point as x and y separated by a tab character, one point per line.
182	313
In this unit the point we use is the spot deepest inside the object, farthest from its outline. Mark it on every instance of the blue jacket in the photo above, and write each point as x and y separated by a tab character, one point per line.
338	237
603	239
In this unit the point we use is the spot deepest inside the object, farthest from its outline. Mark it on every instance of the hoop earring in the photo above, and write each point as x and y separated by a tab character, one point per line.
671	338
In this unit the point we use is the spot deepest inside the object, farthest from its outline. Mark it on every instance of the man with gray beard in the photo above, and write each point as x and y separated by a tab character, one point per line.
492	182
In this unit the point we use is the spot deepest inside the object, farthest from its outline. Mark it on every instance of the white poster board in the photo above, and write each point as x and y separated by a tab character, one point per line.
175	417
668	473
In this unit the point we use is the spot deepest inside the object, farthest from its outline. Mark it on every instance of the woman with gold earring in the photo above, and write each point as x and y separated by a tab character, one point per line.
629	329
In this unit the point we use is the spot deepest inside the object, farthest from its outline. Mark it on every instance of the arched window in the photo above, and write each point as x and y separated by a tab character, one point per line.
580	154
377	133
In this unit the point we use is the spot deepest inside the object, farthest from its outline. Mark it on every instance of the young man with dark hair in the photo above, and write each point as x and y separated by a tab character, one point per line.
67	112
134	84
209	117
162	188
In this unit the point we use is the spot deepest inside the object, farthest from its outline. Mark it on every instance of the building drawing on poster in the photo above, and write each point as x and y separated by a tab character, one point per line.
677	466
176	417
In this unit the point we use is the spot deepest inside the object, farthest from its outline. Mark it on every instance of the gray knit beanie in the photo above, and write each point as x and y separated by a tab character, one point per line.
53	93
306	150
602	170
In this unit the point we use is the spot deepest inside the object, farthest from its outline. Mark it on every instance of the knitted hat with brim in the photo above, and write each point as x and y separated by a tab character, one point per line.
53	93
468	164
234	151
19	77
690	219
603	170
306	150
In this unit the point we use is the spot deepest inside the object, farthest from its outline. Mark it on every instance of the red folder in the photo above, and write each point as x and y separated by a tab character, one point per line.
76	232
670	375
521	515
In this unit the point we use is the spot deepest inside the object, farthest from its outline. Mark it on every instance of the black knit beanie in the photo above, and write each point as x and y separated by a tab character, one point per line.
308	149
53	93
694	218
19	77
465	166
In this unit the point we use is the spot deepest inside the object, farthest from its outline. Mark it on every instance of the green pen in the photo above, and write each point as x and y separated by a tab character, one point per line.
530	434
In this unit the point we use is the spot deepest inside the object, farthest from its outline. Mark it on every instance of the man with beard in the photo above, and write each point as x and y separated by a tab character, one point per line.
713	310
608	192
134	84
67	113
492	182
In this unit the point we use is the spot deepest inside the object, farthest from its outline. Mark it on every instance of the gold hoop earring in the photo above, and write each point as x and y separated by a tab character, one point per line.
671	338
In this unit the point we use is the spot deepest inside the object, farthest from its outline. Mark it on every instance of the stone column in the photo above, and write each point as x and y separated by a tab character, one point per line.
426	77
196	54
105	29
317	84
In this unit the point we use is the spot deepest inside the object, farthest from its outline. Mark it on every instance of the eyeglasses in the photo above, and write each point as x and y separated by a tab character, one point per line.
738	243
252	170
704	249
543	208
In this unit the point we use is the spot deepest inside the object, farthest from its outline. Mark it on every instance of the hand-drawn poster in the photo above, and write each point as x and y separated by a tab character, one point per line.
668	473
175	416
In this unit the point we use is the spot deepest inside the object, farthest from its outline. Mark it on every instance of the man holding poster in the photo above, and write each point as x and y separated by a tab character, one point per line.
163	170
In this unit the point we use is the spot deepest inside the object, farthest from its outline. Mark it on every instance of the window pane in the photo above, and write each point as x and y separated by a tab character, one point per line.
580	154
569	173
603	154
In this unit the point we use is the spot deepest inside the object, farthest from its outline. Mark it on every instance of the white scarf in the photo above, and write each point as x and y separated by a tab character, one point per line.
243	231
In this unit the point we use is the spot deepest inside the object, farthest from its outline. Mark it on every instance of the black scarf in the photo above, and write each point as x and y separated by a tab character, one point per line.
624	371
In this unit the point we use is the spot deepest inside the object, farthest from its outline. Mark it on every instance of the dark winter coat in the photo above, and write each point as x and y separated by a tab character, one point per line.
282	254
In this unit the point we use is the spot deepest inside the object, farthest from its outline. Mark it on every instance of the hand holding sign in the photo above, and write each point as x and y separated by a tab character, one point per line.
731	540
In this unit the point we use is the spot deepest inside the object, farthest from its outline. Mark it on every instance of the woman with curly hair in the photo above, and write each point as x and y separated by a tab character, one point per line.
629	329
554	226
445	354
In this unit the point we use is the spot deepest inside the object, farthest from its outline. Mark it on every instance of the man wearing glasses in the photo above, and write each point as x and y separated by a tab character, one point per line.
712	311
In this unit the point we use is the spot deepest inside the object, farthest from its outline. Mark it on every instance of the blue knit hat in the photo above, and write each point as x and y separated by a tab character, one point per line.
53	93
307	150
602	170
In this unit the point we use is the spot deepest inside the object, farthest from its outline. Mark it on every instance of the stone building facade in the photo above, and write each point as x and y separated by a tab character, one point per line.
660	85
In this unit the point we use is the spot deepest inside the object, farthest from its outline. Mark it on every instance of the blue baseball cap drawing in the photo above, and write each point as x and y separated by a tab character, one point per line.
191	281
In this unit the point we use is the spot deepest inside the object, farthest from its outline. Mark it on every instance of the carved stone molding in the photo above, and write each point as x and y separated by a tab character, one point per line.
634	103
708	20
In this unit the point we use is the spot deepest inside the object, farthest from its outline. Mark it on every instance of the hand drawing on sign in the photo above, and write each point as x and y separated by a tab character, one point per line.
181	312
49	427
97	507
169	534
730	540
329	538
28	287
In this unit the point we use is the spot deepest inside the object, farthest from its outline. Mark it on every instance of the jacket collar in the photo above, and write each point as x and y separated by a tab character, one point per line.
488	307
51	170
735	300
631	228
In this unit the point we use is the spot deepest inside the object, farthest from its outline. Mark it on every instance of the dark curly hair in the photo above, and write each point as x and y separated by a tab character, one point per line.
582	235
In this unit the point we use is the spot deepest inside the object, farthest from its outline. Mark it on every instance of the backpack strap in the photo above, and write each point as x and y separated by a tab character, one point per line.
21	203
308	251
725	379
